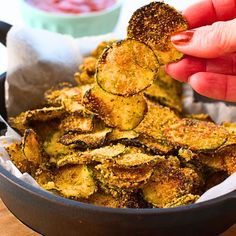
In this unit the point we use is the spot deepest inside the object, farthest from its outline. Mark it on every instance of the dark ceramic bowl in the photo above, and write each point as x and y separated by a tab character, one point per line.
52	215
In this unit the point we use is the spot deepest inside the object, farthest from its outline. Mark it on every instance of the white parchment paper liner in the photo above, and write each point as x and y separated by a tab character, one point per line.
24	42
11	137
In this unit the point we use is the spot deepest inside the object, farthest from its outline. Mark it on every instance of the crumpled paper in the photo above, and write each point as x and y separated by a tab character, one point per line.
11	137
39	59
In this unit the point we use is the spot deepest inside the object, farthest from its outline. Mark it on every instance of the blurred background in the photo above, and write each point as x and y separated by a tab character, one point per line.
11	12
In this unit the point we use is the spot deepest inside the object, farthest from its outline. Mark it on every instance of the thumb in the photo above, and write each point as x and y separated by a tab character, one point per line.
207	41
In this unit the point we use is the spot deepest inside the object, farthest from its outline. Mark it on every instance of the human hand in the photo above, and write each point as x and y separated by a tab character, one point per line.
210	46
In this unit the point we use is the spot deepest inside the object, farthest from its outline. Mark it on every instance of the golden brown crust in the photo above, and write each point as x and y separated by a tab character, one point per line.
104	154
170	182
127	68
124	113
18	158
154	24
155	120
137	159
23	120
123	178
118	135
154	145
77	123
71	99
32	148
183	201
74	182
223	159
165	91
231	128
196	135
88	140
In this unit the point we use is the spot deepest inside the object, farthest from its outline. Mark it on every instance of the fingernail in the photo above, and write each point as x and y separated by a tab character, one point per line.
182	38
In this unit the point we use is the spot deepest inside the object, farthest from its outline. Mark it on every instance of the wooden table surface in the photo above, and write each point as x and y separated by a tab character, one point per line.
10	226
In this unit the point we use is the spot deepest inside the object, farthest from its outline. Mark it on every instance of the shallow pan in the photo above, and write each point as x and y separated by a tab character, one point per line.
52	215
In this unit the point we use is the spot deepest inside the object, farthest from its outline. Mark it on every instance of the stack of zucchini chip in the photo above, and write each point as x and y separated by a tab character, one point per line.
120	138
153	25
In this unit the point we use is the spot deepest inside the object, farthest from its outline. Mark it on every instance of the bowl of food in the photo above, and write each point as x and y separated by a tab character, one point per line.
76	18
117	155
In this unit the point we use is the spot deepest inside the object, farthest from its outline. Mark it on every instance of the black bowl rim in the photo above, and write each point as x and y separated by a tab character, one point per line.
76	204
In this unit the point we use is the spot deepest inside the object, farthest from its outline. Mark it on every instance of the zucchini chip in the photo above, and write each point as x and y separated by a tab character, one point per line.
213	161
196	135
154	24
75	182
123	178
231	127
229	153
31	148
70	98
55	97
87	71
44	114
102	155
45	129
87	140
21	122
77	123
53	147
89	65
165	91
163	96
72	158
166	81
156	118
127	200
224	159
44	178
117	135
105	154
18	158
123	113
60	154
136	160
156	146
104	199
83	78
27	155
127	68
169	183
183	201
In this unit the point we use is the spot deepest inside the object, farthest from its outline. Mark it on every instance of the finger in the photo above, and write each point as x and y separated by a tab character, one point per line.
209	11
207	41
183	69
216	86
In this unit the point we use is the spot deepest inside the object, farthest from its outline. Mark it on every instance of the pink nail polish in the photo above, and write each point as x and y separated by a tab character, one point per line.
182	38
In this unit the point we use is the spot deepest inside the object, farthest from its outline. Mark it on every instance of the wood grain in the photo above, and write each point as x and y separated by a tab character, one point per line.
10	226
